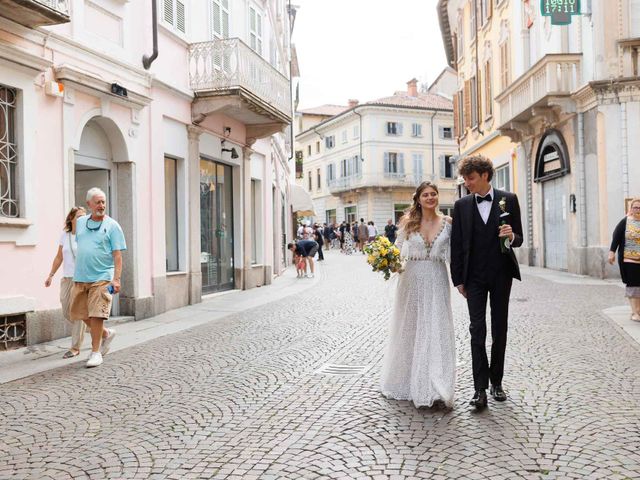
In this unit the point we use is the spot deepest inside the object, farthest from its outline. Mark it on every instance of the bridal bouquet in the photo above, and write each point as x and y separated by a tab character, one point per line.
383	256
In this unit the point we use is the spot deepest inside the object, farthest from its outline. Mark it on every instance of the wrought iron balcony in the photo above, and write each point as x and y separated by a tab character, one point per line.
549	83
229	77
35	13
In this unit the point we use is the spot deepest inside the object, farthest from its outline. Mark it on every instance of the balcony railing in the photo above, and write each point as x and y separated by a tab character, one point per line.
555	75
222	66
380	180
35	13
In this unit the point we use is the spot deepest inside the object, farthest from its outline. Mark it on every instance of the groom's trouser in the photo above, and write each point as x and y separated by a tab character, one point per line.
498	288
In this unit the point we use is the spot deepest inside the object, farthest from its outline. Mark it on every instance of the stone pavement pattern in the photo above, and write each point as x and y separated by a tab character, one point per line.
240	397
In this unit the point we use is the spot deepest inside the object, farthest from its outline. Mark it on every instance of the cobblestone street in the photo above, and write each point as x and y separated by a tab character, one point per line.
241	397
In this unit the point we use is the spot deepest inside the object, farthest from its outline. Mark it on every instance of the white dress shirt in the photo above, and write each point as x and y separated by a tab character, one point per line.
485	207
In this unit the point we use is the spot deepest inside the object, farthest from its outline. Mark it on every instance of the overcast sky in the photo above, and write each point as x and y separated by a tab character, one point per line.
364	49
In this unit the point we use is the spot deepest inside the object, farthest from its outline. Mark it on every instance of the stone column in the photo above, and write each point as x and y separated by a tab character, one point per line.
246	216
193	176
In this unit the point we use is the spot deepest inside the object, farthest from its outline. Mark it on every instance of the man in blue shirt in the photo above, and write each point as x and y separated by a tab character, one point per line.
98	272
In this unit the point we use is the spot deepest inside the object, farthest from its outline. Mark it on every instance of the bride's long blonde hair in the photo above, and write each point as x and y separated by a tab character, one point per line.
410	221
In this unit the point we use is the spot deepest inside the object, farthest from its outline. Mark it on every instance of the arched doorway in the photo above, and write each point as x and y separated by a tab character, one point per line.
552	166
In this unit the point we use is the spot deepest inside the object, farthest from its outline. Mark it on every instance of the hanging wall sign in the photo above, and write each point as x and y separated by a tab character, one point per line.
560	11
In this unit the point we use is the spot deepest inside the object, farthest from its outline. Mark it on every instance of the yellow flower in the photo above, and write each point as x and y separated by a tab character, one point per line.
395	251
371	259
383	251
383	264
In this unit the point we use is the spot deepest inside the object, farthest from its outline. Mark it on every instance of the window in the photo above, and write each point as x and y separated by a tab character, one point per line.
446	210
472	20
447	169
474	102
394	128
356	131
255	30
309	150
446	133
418	167
330	141
502	178
331	173
317	147
299	164
343	168
344	136
488	94
310	180
173	13
393	163
219	19
505	78
398	211
350	214
330	216
318	184
9	204
460	37
458	113
416	130
171	213
486	10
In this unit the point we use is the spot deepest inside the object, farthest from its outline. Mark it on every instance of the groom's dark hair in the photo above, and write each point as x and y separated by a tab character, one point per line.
476	163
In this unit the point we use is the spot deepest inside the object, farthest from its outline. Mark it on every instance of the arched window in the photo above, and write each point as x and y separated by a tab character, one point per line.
552	158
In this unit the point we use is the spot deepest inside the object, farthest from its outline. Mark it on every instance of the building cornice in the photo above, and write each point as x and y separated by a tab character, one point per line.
24	58
185	94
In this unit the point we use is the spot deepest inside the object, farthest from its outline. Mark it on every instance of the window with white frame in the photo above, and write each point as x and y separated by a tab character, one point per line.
9	188
308	150
331	173
418	167
486	10
394	128
344	168
488	94
219	18
330	141
502	178
171	214
474	102
447	168
398	211
174	14
416	130
317	147
446	133
393	163
255	29
318	182
310	180
356	131
344	136
460	37
472	20
505	75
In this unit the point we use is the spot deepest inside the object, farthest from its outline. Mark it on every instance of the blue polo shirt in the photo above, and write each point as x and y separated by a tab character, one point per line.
96	243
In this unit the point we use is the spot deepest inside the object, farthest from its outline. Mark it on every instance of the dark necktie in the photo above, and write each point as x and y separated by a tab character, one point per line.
480	199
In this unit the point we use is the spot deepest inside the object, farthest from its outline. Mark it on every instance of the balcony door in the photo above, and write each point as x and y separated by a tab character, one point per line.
216	226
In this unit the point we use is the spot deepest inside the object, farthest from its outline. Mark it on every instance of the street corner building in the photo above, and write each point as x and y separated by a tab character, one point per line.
179	111
554	101
364	160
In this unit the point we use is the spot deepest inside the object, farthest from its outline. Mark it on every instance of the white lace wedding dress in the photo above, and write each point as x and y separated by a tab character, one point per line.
420	361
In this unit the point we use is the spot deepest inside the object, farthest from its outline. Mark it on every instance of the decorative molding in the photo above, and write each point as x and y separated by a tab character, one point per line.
92	83
24	58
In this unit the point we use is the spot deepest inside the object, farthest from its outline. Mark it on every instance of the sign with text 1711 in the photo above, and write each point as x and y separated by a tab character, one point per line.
560	11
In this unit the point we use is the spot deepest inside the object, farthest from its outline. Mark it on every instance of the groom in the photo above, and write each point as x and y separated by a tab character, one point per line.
481	267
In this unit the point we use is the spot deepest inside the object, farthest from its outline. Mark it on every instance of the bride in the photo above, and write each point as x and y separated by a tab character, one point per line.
420	361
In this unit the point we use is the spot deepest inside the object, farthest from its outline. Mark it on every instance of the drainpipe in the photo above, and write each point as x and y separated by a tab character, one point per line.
146	60
582	183
356	112
433	149
480	131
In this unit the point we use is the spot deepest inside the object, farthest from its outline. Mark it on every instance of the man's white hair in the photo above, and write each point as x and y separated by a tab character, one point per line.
93	192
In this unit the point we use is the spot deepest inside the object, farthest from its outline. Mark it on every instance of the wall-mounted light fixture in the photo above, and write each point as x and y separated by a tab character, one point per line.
232	150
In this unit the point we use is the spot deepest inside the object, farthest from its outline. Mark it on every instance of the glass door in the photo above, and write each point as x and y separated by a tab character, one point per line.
216	226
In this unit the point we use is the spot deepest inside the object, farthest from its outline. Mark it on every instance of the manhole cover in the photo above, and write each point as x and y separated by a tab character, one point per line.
333	369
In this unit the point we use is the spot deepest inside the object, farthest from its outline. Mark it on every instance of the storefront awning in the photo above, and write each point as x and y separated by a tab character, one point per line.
301	202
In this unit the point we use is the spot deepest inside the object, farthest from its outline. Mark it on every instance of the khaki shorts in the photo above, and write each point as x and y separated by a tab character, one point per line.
90	300
66	295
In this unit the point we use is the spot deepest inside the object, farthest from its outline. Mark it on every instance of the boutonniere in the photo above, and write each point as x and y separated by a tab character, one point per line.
505	243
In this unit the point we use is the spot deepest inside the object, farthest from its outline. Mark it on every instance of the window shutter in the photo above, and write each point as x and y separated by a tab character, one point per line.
328	174
456	112
399	128
181	23
441	131
401	163
443	167
479	98
467	105
386	162
167	11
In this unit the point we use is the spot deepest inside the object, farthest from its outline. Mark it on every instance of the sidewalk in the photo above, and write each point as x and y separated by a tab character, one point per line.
619	315
27	361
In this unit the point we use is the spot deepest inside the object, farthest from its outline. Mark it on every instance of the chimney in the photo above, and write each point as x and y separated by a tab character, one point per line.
353	103
412	87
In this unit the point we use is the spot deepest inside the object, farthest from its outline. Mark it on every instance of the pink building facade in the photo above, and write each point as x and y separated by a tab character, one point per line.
193	152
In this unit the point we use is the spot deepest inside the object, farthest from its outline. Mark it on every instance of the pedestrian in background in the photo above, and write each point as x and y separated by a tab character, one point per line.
326	234
98	271
390	230
317	236
341	230
355	236
305	249
626	240
66	256
372	231
363	234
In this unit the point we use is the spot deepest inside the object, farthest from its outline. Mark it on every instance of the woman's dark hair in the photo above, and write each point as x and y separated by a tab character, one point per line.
68	223
476	163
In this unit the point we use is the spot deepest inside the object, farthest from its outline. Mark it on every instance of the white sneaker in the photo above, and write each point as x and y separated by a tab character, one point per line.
310	275
95	359
106	341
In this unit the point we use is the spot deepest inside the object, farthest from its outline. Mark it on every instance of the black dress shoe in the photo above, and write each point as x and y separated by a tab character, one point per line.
479	400
498	393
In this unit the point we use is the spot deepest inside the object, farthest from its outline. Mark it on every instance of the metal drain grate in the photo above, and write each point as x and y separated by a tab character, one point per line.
333	369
